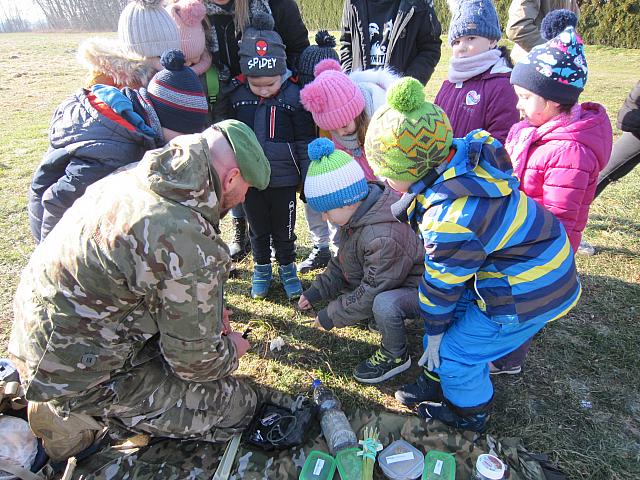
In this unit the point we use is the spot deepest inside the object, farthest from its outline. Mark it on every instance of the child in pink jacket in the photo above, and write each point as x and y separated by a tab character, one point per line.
560	147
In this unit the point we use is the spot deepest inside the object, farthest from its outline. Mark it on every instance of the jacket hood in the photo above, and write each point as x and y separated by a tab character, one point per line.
376	207
182	172
374	85
105	56
586	123
479	167
74	122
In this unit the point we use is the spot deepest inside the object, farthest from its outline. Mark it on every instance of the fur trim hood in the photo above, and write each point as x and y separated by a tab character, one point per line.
104	57
374	85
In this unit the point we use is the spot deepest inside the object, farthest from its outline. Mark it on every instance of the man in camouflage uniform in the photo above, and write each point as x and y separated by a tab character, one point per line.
119	314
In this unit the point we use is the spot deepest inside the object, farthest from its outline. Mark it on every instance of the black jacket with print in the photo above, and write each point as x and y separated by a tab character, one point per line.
283	127
414	44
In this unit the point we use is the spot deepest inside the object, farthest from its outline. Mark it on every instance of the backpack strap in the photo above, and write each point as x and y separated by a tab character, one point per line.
19	472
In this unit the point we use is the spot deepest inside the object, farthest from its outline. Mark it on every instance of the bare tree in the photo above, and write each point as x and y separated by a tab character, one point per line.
91	15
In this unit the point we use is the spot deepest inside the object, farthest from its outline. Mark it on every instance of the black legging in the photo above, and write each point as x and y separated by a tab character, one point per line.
624	157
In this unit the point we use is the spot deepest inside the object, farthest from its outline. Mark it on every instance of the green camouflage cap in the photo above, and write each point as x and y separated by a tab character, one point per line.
252	162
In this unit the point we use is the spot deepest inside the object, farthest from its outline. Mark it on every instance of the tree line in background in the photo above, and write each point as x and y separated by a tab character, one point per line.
607	22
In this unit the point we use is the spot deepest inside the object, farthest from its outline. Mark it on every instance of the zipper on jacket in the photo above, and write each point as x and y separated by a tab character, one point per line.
293	157
394	38
272	122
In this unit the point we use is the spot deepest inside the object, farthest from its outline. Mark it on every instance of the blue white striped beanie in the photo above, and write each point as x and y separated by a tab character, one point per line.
177	95
334	178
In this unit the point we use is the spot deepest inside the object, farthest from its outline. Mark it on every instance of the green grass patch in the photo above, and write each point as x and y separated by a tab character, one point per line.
591	355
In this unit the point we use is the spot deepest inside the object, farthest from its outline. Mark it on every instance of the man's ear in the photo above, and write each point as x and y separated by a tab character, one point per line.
230	178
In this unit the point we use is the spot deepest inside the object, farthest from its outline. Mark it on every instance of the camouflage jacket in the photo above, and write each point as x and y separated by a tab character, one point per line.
137	263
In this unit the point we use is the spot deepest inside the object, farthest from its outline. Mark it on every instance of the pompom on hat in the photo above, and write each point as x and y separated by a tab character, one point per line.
146	29
177	95
334	178
333	98
188	16
557	70
408	136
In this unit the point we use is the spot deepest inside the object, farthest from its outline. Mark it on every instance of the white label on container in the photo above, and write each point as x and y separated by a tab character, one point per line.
401	457
318	468
438	468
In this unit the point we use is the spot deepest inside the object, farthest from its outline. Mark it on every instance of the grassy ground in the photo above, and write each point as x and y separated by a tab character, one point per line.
590	356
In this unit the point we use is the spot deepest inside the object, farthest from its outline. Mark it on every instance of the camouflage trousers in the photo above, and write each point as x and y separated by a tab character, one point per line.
151	399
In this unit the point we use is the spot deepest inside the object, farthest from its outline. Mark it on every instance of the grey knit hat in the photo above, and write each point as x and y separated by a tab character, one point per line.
262	52
473	17
145	28
314	54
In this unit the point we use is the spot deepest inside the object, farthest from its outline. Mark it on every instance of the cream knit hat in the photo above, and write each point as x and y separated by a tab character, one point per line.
146	29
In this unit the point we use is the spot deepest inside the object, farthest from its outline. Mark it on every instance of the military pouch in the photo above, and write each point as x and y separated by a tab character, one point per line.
276	428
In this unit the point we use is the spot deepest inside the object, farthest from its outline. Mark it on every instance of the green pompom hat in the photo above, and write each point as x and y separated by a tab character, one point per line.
407	136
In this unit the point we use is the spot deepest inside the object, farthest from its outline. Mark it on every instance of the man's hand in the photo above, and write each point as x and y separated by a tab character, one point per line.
226	324
242	344
303	303
431	355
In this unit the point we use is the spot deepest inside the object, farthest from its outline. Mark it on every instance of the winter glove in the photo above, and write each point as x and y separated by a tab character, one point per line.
431	355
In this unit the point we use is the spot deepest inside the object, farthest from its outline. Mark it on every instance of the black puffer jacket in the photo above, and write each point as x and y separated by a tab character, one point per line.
84	146
283	127
414	44
288	23
629	114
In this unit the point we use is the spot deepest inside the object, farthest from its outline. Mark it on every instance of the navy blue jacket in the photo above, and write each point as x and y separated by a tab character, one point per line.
283	127
84	146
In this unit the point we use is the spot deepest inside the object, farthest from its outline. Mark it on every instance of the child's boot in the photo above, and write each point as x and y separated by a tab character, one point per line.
381	366
426	388
473	418
261	280
290	281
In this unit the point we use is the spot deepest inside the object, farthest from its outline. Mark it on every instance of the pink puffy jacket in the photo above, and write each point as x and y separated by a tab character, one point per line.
558	163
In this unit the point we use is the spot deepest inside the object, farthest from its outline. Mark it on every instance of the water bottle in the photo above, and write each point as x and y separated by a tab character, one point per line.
336	428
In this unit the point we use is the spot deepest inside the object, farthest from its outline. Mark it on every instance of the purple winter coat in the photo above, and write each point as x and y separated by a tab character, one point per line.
485	101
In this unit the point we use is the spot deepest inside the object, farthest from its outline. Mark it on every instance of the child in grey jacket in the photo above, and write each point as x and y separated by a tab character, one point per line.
378	267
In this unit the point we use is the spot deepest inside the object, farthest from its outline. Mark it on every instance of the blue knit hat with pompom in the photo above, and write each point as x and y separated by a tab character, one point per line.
177	95
557	70
334	178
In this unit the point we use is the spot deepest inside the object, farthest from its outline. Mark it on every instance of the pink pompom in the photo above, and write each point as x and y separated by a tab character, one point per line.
313	98
326	65
191	11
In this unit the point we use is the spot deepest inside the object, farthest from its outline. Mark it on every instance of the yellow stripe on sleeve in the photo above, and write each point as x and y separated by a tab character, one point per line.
518	221
536	272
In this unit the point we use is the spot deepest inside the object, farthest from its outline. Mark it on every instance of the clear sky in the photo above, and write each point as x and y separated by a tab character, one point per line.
29	10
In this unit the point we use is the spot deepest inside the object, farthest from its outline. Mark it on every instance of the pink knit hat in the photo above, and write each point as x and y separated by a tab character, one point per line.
332	98
188	15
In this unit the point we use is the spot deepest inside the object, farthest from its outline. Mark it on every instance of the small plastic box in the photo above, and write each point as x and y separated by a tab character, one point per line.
349	464
401	461
319	466
439	466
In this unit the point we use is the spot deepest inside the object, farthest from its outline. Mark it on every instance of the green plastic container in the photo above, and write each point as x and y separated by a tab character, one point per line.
349	463
439	466
319	466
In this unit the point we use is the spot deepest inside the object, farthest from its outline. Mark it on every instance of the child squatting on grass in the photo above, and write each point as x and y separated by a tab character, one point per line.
379	263
561	146
265	98
498	266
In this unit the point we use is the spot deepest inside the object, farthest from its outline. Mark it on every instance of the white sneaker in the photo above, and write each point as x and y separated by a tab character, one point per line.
586	248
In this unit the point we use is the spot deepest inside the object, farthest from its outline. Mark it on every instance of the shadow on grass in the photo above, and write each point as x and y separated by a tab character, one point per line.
578	398
605	222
